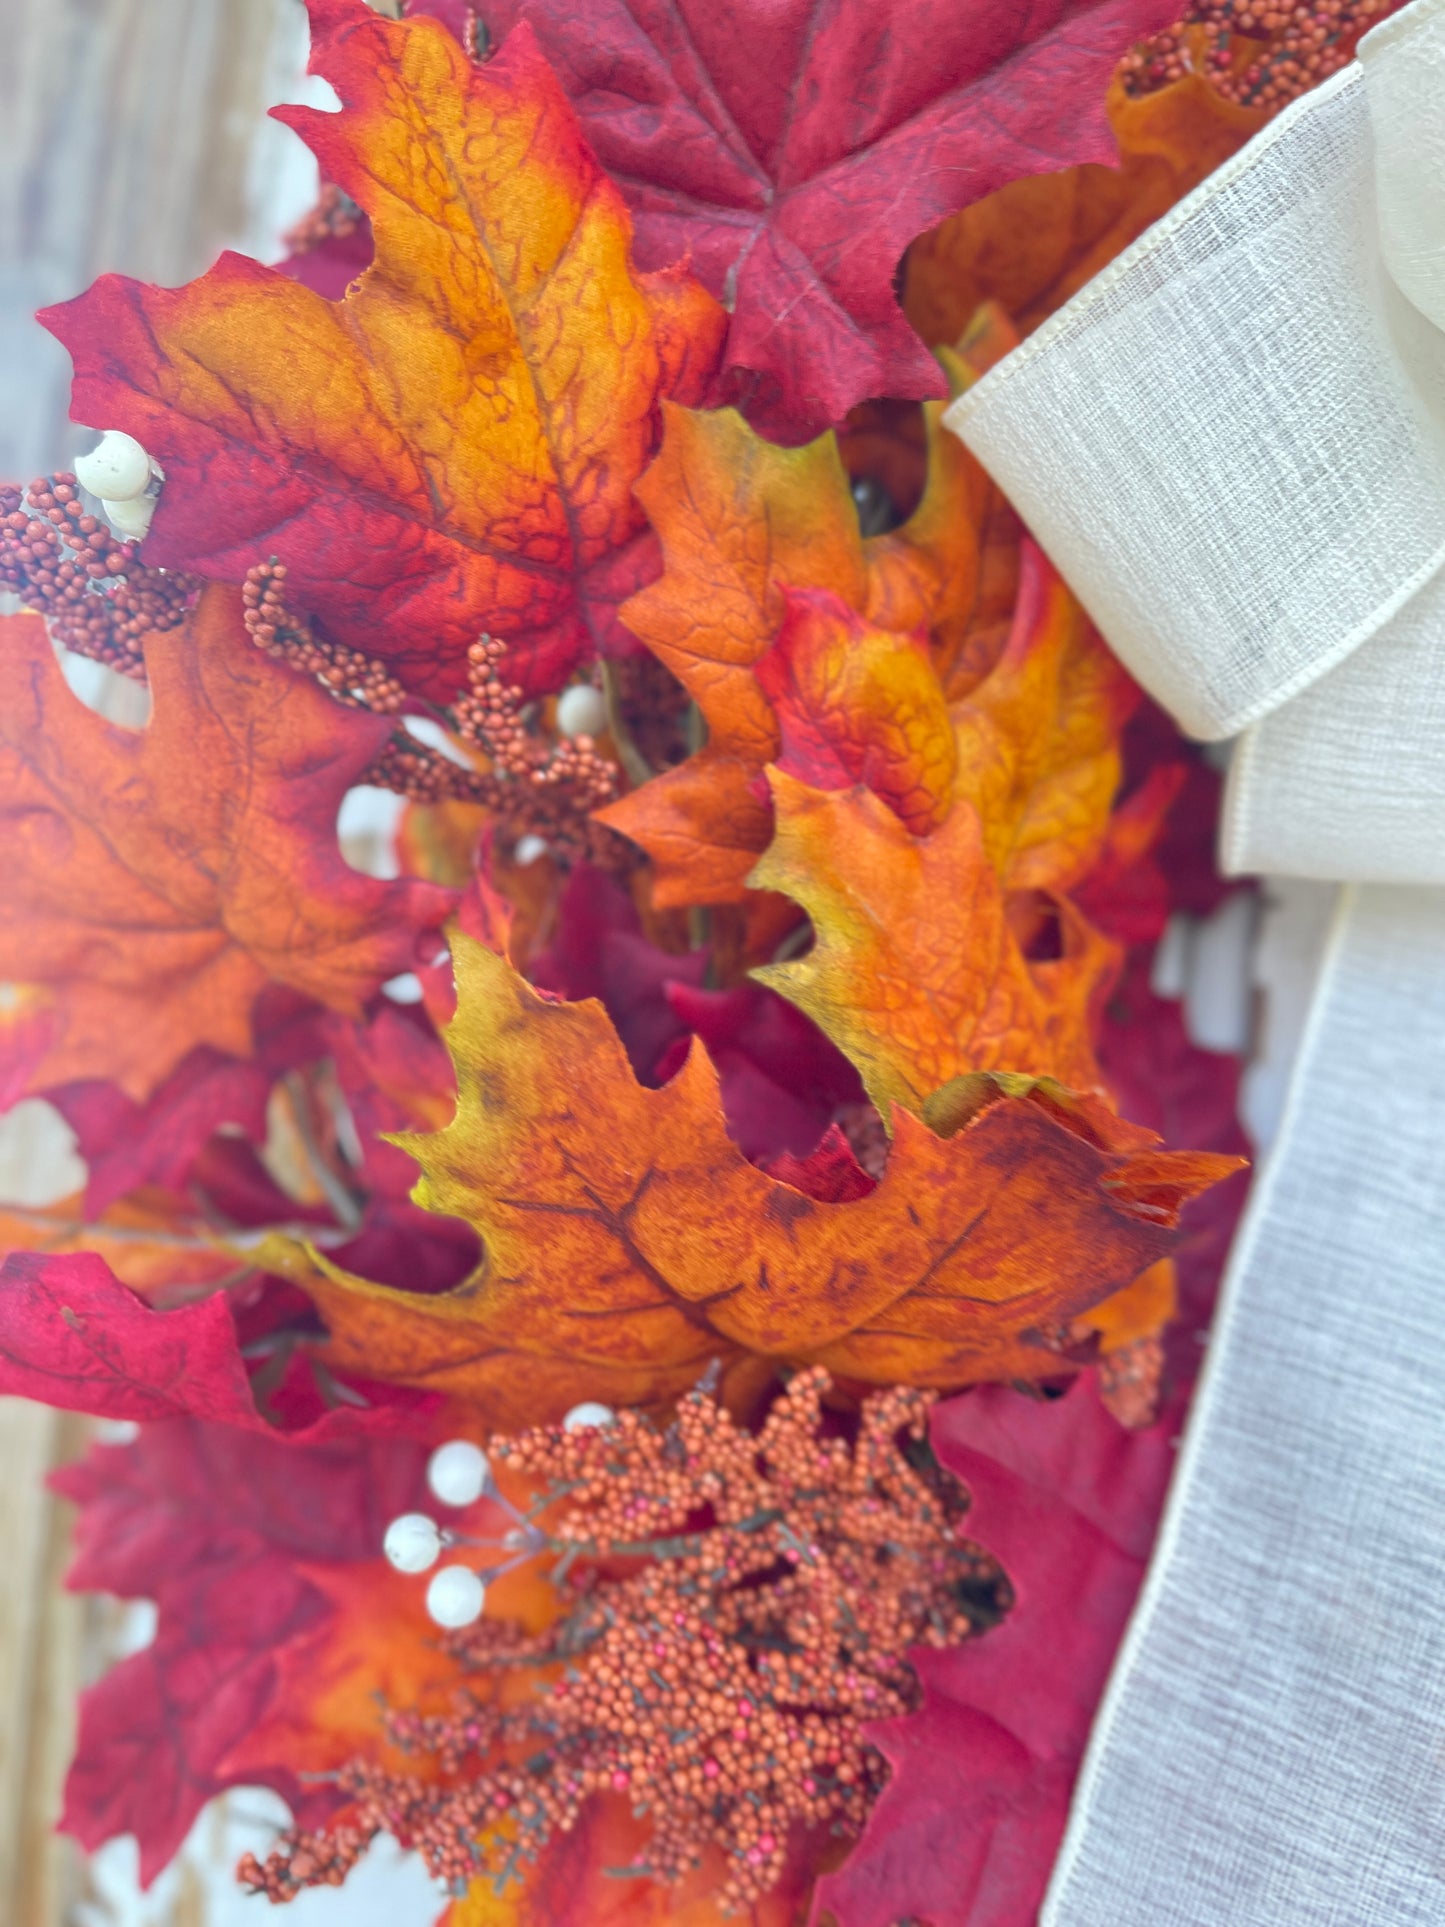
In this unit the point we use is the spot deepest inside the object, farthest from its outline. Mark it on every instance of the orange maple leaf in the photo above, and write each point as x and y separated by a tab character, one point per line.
627	1242
156	879
453	445
378	1647
744	526
1034	243
741	522
375	1645
890	446
920	970
576	1885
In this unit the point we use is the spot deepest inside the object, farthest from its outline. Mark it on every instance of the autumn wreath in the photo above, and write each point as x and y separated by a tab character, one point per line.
656	1321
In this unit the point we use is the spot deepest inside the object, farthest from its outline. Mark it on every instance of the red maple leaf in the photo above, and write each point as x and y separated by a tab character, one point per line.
127	1144
780	1080
454	443
790	152
1159	1076
73	1336
1190	1096
965	1832
226	1532
394	1074
599	949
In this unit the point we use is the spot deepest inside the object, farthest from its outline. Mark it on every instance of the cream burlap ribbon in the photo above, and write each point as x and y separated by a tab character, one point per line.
1232	443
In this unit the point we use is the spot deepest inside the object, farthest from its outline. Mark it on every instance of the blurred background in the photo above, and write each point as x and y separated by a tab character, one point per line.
134	138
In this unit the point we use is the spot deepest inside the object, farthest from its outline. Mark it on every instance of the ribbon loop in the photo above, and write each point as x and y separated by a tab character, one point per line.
1232	443
1403	63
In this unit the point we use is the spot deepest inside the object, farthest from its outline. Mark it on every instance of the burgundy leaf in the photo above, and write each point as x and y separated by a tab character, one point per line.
791	150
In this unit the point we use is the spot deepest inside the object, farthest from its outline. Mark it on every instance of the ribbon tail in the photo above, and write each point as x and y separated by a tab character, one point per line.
1272	1749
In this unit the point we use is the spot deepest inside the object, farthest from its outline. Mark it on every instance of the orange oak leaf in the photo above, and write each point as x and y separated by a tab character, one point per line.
375	1642
856	704
156	880
452	446
741	522
1141	1309
1035	242
627	1242
915	972
921	969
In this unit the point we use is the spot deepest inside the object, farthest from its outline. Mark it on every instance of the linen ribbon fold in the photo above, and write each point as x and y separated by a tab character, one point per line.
1232	444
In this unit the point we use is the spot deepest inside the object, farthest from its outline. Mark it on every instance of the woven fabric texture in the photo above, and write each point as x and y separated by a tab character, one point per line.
1272	1750
1233	446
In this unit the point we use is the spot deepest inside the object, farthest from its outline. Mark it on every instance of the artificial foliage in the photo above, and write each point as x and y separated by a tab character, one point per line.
732	1116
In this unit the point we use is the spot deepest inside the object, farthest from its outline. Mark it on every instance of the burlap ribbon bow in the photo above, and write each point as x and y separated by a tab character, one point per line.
1232	443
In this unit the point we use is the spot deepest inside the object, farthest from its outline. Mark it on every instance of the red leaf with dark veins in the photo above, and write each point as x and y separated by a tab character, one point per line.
73	1336
791	149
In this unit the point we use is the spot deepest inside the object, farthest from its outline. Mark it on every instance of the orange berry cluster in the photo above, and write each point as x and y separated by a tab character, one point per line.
1130	1380
100	600
741	1606
867	1136
346	673
1306	42
489	715
533	785
334	216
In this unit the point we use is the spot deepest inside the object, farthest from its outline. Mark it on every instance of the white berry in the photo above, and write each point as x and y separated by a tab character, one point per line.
529	848
117	468
412	1542
458	1472
130	520
455	1597
588	1413
581	711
